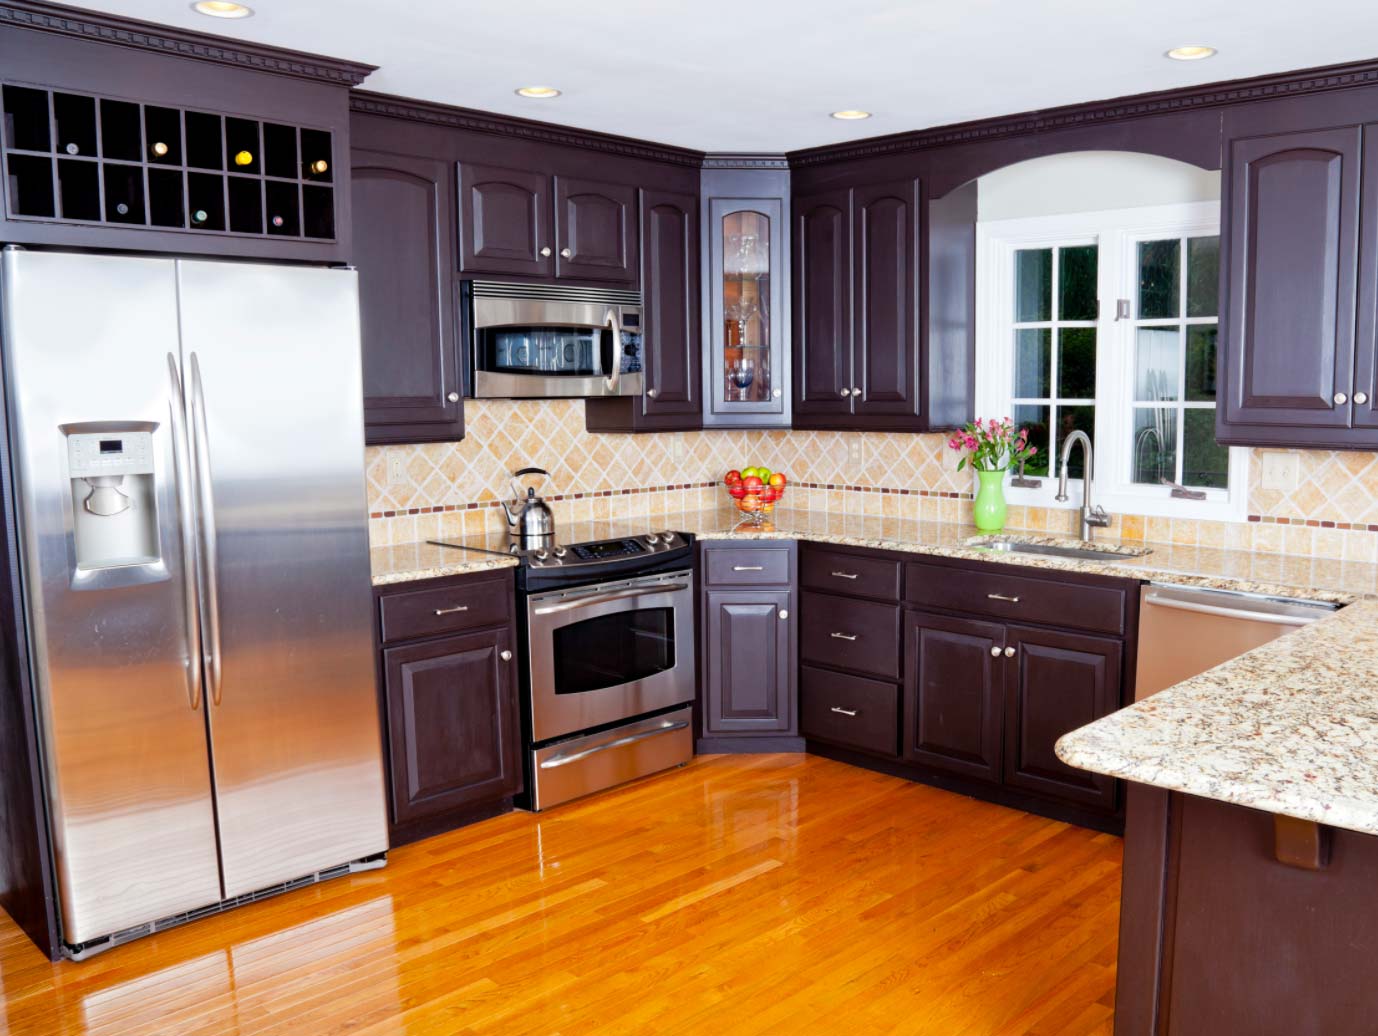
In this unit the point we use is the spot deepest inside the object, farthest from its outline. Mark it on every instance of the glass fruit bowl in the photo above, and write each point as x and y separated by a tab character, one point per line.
755	504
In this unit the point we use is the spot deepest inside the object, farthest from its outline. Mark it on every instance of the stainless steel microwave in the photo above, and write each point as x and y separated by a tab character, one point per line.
538	341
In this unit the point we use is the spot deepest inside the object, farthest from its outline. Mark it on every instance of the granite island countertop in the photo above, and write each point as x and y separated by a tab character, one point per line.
1290	727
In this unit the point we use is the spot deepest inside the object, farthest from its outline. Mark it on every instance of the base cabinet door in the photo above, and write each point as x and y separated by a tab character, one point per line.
952	694
452	723
749	665
1055	683
403	219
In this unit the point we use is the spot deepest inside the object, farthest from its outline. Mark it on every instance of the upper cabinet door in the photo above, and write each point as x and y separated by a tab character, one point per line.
1290	277
886	300
505	217
670	312
403	212
822	270
595	231
1366	357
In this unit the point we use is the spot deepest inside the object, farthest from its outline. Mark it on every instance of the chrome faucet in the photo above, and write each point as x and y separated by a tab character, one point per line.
1092	518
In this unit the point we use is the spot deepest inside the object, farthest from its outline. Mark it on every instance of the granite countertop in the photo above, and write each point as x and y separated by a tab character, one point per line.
1290	728
404	562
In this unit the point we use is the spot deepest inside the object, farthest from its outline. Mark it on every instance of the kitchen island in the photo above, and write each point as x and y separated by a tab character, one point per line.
1251	847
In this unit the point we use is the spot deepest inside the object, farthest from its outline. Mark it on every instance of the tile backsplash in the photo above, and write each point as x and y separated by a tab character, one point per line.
452	489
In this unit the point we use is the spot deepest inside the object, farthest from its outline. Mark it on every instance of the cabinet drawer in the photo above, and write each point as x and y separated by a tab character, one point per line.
746	566
850	634
465	605
849	710
998	594
839	573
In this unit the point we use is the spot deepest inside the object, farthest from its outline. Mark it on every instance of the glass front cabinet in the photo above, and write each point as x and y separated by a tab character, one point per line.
746	376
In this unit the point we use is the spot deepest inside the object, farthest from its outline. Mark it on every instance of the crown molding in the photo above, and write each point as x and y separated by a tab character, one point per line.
1136	106
745	161
367	103
99	27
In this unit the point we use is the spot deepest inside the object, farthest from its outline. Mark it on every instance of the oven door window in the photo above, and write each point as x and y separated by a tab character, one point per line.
612	650
570	351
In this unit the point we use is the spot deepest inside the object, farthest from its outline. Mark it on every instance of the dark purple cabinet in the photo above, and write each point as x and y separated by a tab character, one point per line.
954	690
1054	683
857	291
449	701
403	213
822	304
452	724
749	686
595	231
1365	400
670	318
886	301
505	221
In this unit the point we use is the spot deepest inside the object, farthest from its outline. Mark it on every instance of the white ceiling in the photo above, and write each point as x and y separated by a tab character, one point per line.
763	75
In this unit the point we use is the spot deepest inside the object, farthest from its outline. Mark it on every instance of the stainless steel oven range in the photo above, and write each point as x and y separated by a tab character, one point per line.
606	633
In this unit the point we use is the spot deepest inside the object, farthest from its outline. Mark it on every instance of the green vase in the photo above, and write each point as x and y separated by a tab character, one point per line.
988	510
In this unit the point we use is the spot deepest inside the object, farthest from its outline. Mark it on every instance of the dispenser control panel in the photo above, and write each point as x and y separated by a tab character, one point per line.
91	454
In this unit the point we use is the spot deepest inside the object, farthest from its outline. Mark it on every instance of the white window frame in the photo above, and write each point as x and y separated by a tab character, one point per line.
1117	232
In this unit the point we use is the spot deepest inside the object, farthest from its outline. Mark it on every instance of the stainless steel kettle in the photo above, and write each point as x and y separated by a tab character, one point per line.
530	522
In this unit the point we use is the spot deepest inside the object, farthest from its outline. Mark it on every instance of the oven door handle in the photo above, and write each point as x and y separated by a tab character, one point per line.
630	739
619	595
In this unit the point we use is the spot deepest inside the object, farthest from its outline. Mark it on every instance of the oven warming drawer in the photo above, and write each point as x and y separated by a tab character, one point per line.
582	765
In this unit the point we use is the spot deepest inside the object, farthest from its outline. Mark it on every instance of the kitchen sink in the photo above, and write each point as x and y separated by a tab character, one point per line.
1078	552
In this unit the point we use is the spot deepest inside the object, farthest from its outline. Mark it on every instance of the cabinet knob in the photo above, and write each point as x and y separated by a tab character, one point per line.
1341	399
565	253
784	614
546	251
1360	398
506	656
846	393
453	397
653	393
1009	652
776	393
995	652
856	391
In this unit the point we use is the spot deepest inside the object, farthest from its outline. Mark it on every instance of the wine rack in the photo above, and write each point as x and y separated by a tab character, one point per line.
76	158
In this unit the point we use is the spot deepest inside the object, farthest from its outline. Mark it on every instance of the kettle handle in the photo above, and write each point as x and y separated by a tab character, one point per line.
530	471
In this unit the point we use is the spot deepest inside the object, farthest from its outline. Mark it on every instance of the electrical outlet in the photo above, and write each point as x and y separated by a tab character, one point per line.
397	470
1281	471
856	454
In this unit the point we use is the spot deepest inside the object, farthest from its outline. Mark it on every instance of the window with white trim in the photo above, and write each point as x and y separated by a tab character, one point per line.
1106	322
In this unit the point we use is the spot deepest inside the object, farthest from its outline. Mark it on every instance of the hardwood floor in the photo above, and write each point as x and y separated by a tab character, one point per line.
740	895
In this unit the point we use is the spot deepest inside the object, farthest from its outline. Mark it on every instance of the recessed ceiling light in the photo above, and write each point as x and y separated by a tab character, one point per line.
851	113
221	9
1192	52
539	92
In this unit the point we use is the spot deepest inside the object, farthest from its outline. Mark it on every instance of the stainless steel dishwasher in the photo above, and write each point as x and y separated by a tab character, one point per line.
1185	630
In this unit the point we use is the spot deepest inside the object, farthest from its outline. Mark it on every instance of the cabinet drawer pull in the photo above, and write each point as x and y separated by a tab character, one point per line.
843	636
451	611
748	568
1002	597
843	712
845	575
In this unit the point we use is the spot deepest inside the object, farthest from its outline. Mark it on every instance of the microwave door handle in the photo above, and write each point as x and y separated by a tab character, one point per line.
616	375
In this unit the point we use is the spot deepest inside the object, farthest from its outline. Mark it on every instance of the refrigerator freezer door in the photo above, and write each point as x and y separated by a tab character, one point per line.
276	407
87	340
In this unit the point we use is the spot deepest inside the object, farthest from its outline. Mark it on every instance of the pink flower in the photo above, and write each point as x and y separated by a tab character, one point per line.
971	442
1033	450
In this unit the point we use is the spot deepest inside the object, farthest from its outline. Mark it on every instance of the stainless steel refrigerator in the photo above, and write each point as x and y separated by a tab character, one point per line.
187	445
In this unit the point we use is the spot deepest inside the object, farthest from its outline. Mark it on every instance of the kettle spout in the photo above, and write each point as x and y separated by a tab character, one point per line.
507	510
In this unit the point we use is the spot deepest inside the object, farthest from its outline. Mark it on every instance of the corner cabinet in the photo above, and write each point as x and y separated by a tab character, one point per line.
746	304
671	323
748	647
403	212
1299	365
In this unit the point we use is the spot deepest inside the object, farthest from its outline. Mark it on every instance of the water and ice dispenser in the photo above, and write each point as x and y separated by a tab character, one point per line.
114	510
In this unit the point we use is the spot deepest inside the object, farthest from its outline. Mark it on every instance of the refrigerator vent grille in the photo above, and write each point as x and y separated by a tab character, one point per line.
84	950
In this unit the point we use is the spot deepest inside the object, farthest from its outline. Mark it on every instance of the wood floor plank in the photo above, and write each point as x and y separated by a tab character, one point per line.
740	895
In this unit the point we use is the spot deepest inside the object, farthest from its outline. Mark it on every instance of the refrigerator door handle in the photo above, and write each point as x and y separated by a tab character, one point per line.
206	515
182	488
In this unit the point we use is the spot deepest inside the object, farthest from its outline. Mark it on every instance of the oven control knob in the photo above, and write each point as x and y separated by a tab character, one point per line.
652	538
541	555
560	552
668	537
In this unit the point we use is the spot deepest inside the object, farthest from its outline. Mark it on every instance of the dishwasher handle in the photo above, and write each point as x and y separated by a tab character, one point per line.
1231	613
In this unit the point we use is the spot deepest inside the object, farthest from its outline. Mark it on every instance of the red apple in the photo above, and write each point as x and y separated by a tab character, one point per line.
751	482
732	476
736	492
